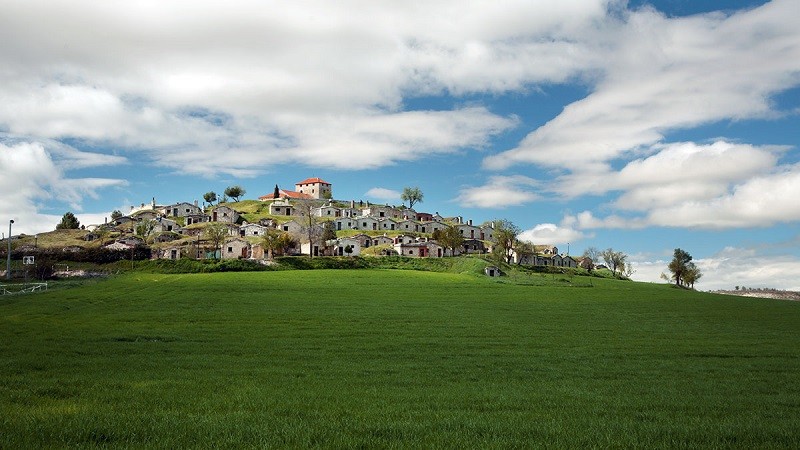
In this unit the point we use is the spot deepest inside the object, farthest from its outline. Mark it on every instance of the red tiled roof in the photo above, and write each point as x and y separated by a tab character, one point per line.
289	194
312	181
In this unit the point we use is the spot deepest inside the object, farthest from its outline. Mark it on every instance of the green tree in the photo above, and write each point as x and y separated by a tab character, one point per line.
691	275
505	236
210	197
411	195
68	222
116	214
328	231
524	250
216	232
681	261
276	242
235	192
348	249
450	238
144	228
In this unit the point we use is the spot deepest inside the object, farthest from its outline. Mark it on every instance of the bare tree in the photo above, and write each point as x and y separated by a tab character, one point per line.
310	224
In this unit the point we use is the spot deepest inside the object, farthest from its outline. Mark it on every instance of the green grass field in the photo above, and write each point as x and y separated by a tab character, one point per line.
385	358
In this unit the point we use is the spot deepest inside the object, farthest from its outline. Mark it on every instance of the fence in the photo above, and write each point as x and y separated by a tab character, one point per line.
27	288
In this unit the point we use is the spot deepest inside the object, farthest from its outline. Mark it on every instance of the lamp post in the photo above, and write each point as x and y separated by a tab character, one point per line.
8	261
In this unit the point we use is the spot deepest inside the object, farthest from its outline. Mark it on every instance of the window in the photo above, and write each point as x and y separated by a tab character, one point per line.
230	249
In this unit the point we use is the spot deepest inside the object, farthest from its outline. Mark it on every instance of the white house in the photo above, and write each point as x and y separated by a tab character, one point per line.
338	246
252	229
281	208
181	209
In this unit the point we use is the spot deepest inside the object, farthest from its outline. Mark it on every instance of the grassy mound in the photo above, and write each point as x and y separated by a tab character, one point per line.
387	358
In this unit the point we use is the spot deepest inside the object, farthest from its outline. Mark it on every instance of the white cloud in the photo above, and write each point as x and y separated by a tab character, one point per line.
383	194
663	74
30	177
500	192
732	267
549	233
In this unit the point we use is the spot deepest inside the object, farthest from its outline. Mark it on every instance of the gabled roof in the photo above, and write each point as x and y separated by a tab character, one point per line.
287	194
312	181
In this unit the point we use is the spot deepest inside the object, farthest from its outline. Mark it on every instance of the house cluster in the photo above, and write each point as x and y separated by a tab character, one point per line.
361	225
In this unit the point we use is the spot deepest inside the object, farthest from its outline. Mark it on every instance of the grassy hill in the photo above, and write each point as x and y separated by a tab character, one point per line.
386	358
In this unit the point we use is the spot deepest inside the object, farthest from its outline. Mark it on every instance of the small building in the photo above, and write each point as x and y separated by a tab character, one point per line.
235	249
181	209
252	229
339	246
316	188
281	208
197	218
492	271
224	214
162	224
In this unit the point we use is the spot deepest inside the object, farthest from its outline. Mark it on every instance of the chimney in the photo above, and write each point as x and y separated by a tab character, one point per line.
195	203
470	221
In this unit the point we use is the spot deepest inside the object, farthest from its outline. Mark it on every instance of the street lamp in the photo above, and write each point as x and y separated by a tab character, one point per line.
8	261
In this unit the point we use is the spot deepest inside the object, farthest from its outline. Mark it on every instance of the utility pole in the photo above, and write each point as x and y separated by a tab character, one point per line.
8	262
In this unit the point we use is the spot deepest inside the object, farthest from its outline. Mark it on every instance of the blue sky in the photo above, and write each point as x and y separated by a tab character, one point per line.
641	126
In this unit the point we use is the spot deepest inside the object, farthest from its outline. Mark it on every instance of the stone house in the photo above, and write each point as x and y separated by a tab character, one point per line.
315	188
387	224
381	212
224	214
235	249
382	240
404	239
345	223
338	246
181	209
252	229
327	211
420	249
407	226
366	224
281	208
430	227
162	224
469	231
292	227
473	246
197	218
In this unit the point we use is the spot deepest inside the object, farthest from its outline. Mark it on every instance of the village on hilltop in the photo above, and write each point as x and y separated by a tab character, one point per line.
304	221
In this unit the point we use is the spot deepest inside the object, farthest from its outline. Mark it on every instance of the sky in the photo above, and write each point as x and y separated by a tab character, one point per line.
641	126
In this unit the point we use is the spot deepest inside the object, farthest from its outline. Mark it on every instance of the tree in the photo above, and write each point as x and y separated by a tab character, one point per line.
276	242
310	226
68	222
450	237
235	192
210	197
629	270
144	228
505	235
102	234
348	249
681	260
411	195
592	253
116	214
691	275
524	250
276	194
614	260
216	233
328	231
